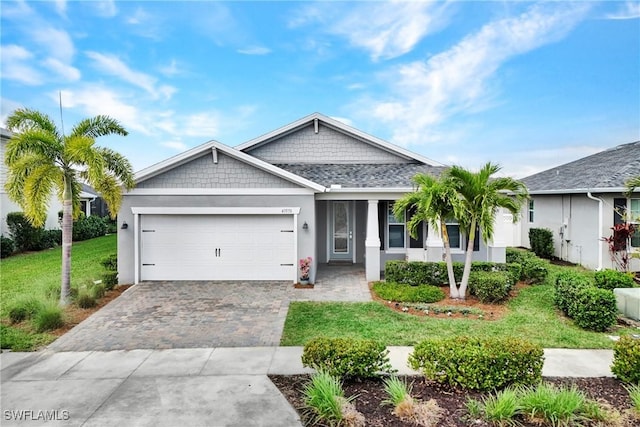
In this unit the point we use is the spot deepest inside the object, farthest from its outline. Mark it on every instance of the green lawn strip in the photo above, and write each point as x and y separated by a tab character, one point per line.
20	340
34	273
532	316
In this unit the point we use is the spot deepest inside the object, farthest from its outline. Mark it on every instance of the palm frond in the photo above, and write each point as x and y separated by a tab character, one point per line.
38	188
119	166
24	119
32	141
631	185
94	127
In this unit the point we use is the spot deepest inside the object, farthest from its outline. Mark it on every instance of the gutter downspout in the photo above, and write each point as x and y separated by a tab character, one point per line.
600	202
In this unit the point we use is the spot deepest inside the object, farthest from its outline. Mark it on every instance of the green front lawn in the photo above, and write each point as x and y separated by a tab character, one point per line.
37	273
532	316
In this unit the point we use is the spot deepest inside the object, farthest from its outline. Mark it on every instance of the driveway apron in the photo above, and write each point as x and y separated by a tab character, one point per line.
164	315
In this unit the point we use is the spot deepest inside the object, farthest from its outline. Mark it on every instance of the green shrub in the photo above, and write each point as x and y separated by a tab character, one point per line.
109	279
611	279
24	308
85	300
541	240
97	290
480	364
534	270
347	357
49	317
7	247
26	237
567	283
489	286
626	359
110	263
594	309
416	273
89	227
405	293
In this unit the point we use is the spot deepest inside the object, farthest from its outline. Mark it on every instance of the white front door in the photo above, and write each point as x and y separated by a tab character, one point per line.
341	231
217	247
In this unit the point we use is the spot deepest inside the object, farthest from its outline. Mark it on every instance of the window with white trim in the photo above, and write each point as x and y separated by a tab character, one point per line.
396	229
531	206
453	231
634	217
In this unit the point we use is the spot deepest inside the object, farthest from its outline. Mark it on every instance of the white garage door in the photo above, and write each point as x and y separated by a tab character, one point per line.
217	247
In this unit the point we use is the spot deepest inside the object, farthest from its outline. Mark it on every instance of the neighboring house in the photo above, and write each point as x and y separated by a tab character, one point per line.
580	202
87	196
315	187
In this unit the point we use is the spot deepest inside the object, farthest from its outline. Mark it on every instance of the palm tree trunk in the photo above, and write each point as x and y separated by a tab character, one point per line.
467	260
453	288
67	234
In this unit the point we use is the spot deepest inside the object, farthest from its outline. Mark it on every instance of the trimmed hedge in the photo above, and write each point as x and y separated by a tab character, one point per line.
7	247
541	240
416	273
86	228
490	286
626	359
479	364
534	270
611	279
347	357
590	307
26	237
399	292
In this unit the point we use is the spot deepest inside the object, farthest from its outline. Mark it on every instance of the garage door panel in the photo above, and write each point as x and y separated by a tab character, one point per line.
217	247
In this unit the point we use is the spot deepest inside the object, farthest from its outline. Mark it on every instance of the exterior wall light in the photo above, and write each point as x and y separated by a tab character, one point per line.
305	226
124	226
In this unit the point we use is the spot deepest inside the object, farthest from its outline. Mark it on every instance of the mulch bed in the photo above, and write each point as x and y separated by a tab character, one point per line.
370	393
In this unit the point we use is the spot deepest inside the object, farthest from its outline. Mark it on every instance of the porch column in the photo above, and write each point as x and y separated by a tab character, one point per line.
372	243
435	245
497	247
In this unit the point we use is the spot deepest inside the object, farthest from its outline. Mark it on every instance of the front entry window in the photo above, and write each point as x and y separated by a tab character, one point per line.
341	228
397	230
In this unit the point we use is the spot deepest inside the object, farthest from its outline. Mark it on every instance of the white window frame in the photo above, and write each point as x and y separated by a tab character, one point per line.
634	218
403	223
461	240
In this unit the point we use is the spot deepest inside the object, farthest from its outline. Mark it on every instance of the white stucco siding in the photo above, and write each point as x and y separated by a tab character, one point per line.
327	146
204	172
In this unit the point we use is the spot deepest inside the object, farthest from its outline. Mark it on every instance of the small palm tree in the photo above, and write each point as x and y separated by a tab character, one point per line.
42	159
481	196
434	201
632	184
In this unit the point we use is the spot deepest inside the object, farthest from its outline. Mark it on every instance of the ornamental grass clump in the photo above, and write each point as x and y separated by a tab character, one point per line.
405	407
324	398
553	406
502	408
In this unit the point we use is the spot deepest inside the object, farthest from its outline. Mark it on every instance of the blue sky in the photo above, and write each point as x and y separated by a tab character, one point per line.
524	84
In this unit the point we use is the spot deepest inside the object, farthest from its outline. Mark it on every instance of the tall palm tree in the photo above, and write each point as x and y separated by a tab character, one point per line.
434	201
42	159
481	196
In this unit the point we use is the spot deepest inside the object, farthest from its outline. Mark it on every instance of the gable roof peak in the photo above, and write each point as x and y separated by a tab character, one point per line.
340	127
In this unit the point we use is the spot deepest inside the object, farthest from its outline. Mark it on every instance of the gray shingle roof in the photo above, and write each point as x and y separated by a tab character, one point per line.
609	169
362	175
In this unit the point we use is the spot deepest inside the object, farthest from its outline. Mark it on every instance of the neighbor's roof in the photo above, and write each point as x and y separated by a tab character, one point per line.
606	171
362	175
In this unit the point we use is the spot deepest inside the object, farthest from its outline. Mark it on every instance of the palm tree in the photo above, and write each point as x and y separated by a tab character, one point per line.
481	196
42	159
632	184
434	201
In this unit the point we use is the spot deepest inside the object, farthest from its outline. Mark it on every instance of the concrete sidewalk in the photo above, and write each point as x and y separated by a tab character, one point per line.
189	387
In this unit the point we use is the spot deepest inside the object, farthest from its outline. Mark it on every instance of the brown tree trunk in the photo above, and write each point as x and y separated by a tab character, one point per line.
67	235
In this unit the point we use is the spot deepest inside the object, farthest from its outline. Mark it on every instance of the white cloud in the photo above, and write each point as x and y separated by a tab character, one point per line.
205	124
58	43
63	70
111	64
175	145
105	8
14	65
384	29
631	10
7	106
140	16
458	81
61	7
172	69
255	50
344	120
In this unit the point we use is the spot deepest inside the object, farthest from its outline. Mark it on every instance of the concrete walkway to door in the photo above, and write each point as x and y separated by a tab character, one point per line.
163	315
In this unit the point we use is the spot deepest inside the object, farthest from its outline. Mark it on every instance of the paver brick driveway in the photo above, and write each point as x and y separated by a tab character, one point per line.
202	314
